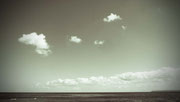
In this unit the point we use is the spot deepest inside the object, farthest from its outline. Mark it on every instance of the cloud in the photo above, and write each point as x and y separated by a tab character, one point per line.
160	79
36	40
96	42
112	17
75	39
124	27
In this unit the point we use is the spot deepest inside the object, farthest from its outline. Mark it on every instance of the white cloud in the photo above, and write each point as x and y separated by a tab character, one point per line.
96	42
75	39
70	82
124	27
36	40
112	17
160	79
84	80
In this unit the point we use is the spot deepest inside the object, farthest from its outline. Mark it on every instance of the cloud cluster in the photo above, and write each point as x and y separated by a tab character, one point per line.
36	40
42	46
142	81
112	17
75	39
97	42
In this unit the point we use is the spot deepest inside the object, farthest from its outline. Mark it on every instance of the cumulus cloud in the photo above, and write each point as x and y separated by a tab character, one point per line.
38	41
96	42
130	81
112	17
124	27
75	39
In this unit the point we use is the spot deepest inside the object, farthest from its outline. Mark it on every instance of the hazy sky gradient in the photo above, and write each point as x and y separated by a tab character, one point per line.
150	41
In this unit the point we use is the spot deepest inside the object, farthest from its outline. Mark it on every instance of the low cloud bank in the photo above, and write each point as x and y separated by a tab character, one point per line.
160	79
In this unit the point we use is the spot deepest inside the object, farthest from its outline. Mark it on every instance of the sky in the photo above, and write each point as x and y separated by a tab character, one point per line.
89	45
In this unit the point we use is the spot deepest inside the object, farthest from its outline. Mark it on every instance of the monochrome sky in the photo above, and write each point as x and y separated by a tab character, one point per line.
89	45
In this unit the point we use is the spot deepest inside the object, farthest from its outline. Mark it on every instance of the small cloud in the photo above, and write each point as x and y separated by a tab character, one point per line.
112	17
124	27
38	41
75	39
96	42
